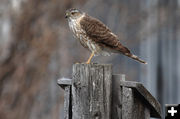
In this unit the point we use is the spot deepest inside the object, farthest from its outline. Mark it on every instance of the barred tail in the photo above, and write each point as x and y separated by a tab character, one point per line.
135	58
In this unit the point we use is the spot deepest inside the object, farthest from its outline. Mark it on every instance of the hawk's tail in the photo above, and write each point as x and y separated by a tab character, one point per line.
135	58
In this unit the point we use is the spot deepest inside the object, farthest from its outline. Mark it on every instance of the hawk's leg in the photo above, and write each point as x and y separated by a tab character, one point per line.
89	60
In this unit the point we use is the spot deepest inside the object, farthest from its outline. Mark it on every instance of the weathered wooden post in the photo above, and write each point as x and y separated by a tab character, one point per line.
131	100
94	93
91	91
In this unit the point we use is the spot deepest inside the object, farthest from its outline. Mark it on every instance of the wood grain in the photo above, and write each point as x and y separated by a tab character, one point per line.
91	91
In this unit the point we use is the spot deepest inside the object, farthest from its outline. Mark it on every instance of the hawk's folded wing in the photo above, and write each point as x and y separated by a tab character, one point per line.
101	34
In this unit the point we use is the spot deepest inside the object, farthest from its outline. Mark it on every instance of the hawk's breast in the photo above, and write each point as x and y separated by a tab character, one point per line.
78	32
81	35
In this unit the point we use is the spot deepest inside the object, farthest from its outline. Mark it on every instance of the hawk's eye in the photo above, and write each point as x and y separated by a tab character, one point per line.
73	13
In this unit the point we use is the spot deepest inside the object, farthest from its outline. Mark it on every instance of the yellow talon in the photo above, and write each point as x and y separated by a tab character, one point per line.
89	60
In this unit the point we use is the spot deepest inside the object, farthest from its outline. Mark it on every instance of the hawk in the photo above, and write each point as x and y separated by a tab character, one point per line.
96	36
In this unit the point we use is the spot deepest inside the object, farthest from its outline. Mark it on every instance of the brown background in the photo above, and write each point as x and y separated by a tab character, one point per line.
37	47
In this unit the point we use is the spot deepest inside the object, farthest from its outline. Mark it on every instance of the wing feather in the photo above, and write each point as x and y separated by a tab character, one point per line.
101	34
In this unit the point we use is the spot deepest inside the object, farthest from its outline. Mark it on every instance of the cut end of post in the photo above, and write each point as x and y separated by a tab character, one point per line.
92	64
64	82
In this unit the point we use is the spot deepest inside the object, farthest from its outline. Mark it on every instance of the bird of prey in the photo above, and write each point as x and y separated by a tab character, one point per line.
96	36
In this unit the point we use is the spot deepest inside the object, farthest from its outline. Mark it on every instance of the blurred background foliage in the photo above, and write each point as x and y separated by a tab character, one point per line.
37	47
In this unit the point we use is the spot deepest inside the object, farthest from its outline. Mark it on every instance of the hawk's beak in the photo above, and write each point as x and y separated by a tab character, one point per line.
66	16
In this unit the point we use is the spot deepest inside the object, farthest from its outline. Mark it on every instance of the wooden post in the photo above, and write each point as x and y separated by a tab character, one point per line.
66	85
117	96
94	93
91	91
130	100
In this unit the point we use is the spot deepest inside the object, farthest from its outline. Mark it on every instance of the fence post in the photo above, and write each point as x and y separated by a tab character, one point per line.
91	91
66	83
94	93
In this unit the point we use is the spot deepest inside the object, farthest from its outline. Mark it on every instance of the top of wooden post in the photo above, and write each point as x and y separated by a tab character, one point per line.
91	64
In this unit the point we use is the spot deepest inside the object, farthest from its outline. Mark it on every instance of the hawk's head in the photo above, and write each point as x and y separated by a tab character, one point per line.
73	13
